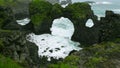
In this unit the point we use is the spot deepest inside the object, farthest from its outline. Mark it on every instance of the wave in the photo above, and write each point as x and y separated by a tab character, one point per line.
116	11
104	2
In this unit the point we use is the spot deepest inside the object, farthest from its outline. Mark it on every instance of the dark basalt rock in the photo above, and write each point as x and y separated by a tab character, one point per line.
110	26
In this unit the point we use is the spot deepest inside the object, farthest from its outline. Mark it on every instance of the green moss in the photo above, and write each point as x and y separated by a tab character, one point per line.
78	10
7	3
8	63
39	11
94	61
69	62
5	31
103	55
56	11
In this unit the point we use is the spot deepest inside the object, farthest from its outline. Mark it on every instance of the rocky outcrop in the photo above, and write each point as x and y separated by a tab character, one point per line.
110	26
18	48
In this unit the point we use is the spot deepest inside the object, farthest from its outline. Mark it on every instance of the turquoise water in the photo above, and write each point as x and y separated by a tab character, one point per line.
100	6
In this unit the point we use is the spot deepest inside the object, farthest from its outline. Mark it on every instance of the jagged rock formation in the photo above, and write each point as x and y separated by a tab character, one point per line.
110	26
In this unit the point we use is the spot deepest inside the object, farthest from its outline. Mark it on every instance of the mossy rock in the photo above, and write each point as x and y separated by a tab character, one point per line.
39	11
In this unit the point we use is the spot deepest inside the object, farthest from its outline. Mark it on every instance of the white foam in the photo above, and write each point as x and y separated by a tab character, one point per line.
104	2
23	21
89	23
116	11
62	27
64	5
56	45
53	46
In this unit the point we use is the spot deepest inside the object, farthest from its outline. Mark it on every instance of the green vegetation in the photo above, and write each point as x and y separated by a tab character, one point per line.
39	11
7	3
70	62
102	55
1	44
56	11
6	62
97	56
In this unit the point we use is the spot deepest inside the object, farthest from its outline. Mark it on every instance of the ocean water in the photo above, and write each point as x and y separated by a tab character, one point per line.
100	6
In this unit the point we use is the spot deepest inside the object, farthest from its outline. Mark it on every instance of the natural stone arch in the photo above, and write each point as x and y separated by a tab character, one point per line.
77	14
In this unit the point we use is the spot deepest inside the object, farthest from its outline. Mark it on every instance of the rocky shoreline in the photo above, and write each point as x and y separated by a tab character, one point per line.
101	42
